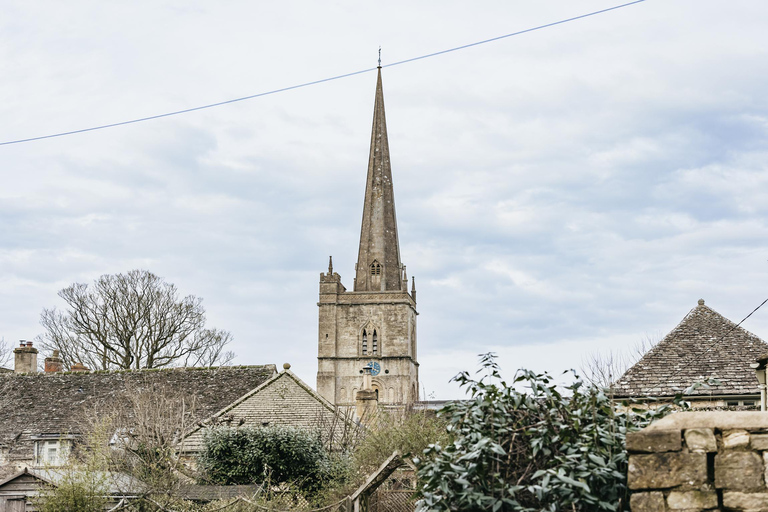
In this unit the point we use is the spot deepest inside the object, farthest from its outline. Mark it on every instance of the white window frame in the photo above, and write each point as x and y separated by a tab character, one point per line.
45	458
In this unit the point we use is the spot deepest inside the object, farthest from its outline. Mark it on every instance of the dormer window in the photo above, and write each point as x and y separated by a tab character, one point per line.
365	342
375	343
375	268
51	452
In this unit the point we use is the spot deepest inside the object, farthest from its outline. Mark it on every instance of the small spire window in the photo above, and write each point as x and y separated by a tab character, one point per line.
375	343
375	269
365	343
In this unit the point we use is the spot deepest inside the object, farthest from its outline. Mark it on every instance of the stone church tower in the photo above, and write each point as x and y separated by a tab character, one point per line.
374	325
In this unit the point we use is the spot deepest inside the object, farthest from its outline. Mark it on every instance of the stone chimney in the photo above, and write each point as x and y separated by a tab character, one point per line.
79	367
25	358
367	399
54	363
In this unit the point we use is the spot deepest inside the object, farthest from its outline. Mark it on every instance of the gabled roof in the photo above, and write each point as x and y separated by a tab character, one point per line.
58	403
275	402
23	472
286	373
115	483
705	344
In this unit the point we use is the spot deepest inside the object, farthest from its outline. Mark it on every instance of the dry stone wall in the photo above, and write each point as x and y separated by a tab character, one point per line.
700	461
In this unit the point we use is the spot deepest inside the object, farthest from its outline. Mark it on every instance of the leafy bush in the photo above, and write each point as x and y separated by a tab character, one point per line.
409	432
81	490
275	455
539	450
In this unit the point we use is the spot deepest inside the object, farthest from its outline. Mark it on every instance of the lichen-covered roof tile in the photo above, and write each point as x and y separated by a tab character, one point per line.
58	403
704	344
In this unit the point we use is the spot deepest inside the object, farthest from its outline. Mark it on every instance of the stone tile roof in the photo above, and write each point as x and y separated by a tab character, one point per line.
705	344
282	400
57	403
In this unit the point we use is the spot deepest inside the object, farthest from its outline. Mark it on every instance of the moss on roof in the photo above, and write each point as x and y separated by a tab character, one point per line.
704	344
56	403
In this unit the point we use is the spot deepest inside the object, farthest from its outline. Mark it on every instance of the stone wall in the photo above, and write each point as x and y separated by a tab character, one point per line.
700	461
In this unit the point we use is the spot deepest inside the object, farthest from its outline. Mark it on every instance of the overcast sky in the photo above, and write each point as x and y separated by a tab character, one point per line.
570	190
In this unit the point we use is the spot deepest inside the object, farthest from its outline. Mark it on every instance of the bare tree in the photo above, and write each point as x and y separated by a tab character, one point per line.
133	320
139	434
604	368
6	353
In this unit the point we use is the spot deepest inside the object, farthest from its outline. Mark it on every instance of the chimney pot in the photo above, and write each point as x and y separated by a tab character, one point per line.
25	358
79	367
54	363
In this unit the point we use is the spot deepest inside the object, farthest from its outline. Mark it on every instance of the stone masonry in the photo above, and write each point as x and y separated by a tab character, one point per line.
375	323
700	461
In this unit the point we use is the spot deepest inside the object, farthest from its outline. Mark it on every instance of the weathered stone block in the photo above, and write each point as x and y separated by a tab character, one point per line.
692	500
738	470
759	441
647	502
666	470
765	465
735	439
745	501
652	441
700	439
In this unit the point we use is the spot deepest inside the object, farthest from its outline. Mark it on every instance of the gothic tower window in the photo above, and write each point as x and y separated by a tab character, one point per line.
353	319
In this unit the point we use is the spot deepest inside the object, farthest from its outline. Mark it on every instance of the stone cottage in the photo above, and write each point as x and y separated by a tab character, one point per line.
705	345
42	414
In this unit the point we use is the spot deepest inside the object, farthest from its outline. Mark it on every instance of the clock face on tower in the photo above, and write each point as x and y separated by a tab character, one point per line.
375	368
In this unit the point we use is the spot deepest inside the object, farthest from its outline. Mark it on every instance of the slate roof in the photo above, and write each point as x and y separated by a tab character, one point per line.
284	399
117	484
56	403
705	344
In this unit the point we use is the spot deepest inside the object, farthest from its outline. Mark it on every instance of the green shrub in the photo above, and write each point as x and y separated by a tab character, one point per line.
537	450
409	432
270	454
80	490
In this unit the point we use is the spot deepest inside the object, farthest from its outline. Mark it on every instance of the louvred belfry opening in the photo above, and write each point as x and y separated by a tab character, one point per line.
373	325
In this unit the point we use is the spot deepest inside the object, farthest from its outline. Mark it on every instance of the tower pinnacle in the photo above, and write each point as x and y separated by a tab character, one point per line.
378	260
373	326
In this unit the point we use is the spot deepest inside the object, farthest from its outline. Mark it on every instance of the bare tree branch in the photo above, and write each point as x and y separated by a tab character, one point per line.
133	320
6	354
604	368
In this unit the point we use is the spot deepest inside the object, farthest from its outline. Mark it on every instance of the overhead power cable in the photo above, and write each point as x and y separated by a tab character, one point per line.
315	82
699	357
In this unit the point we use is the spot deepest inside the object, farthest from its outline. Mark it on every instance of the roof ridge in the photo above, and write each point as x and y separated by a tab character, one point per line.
116	371
703	344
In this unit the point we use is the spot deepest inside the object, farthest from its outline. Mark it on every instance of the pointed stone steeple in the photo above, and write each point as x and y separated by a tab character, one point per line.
373	328
378	260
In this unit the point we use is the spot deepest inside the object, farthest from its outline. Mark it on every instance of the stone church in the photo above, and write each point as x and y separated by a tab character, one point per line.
374	325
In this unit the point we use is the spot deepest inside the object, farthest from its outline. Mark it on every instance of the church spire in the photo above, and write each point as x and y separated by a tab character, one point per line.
378	260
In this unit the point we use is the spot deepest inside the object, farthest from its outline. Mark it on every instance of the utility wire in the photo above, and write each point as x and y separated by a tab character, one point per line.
734	327
315	82
697	357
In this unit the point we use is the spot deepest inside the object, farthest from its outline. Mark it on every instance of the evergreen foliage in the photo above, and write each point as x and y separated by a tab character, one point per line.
274	455
535	450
